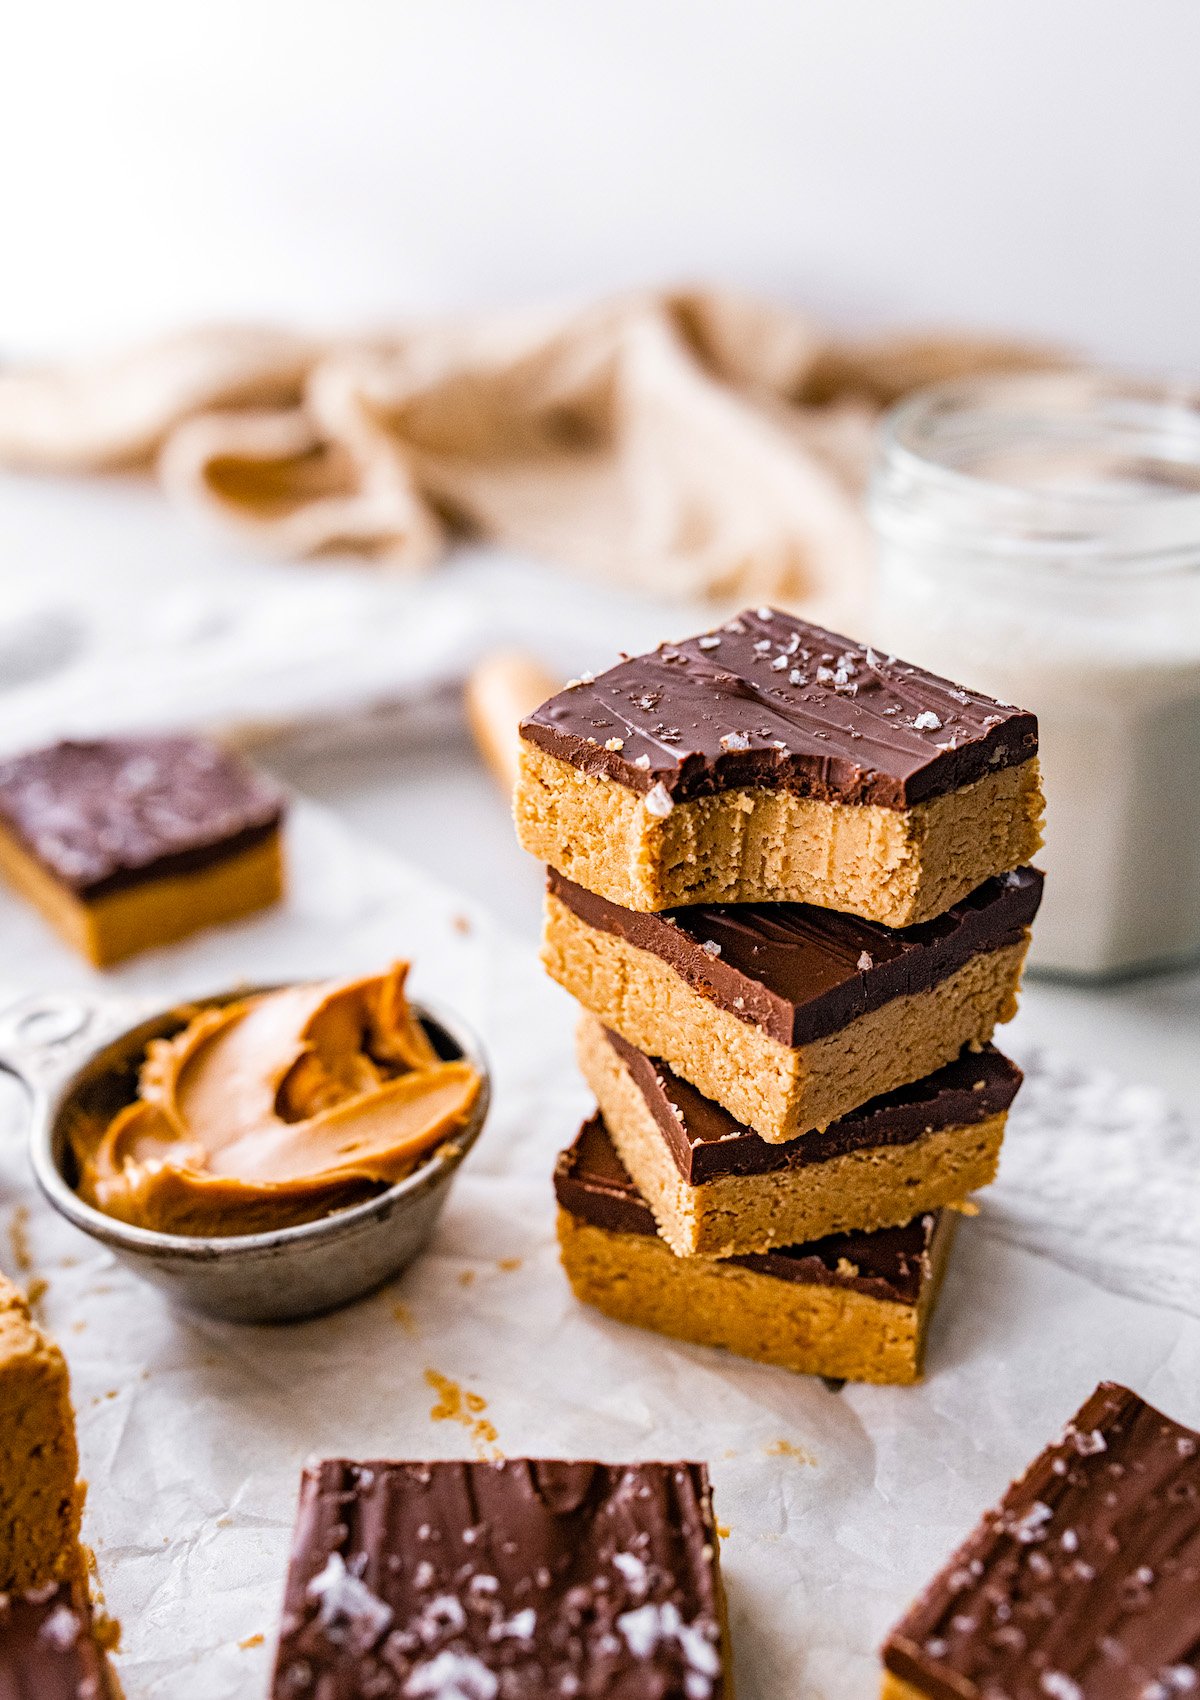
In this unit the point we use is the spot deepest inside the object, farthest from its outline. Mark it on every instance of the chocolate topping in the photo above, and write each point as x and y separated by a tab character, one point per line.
1084	1584
47	1649
893	1264
707	1143
799	972
100	816
770	700
523	1578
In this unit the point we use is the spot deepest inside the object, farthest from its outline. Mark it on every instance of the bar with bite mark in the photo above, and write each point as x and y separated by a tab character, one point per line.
771	761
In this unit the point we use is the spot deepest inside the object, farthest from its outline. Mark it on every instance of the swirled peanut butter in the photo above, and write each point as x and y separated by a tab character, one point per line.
276	1109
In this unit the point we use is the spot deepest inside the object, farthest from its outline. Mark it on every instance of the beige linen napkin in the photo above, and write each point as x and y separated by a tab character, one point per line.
691	444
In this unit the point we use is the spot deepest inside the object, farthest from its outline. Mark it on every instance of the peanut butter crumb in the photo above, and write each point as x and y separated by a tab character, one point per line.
466	1277
458	1405
724	1531
249	1641
405	1318
509	1264
789	1449
18	1233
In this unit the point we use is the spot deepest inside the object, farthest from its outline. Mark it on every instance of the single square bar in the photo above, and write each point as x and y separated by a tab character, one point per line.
40	1496
790	1017
513	1580
49	1649
1083	1584
128	843
853	1306
717	1189
771	761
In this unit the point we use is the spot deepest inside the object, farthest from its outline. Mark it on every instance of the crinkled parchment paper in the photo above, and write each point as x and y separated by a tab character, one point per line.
838	1505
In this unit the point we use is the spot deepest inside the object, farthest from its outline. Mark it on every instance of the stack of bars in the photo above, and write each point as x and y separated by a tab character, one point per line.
788	885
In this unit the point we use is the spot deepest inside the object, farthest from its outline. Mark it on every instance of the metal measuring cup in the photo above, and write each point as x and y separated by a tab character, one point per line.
79	1051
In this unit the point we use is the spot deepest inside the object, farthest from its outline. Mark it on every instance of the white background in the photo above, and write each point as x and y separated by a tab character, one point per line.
1023	164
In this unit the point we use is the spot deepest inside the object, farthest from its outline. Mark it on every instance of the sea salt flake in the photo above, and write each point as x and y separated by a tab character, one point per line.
779	663
1031	1527
762	646
659	801
642	761
1069	1541
735	741
709	642
1058	1686
766	613
795	677
1087	1445
926	721
61	1628
710	947
866	960
345	1603
452	1676
631	1567
614	743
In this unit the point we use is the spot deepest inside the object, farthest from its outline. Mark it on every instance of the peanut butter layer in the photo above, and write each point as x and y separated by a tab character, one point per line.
895	866
855	1306
920	1149
771	761
276	1109
781	1088
40	1498
128	843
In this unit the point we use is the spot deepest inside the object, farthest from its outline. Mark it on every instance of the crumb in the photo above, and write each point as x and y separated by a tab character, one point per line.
509	1264
18	1233
78	1326
466	1277
461	923
224	1521
724	1531
456	1405
249	1641
405	1318
36	1291
789	1449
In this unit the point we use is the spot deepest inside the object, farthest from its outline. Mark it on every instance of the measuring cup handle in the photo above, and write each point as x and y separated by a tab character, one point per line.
43	1034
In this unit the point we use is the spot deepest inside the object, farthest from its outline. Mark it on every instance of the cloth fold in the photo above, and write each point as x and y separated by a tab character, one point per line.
694	444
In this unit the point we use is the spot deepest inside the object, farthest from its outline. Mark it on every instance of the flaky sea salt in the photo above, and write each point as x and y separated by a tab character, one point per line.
346	1604
709	642
659	801
452	1676
926	721
735	741
710	947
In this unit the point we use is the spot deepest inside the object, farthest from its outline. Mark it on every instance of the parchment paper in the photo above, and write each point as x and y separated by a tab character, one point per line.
838	1506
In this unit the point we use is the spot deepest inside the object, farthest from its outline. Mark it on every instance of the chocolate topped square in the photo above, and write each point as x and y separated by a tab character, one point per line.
126	843
106	813
513	1580
769	760
1083	1584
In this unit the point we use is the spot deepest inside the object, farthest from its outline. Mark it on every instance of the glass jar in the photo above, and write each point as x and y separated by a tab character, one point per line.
1039	539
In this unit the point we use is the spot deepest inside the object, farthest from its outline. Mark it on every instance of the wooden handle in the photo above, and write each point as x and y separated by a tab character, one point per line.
501	691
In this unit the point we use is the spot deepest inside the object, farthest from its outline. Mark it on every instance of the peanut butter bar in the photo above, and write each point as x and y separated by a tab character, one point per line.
128	843
717	1189
40	1498
515	1580
1083	1584
770	761
787	1016
853	1306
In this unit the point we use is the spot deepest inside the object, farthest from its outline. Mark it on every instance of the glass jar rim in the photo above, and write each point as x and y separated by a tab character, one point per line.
924	489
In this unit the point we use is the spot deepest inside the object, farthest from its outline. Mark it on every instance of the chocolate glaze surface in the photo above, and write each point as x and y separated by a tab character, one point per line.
103	815
707	1143
1084	1584
769	700
47	1649
518	1579
893	1264
799	972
